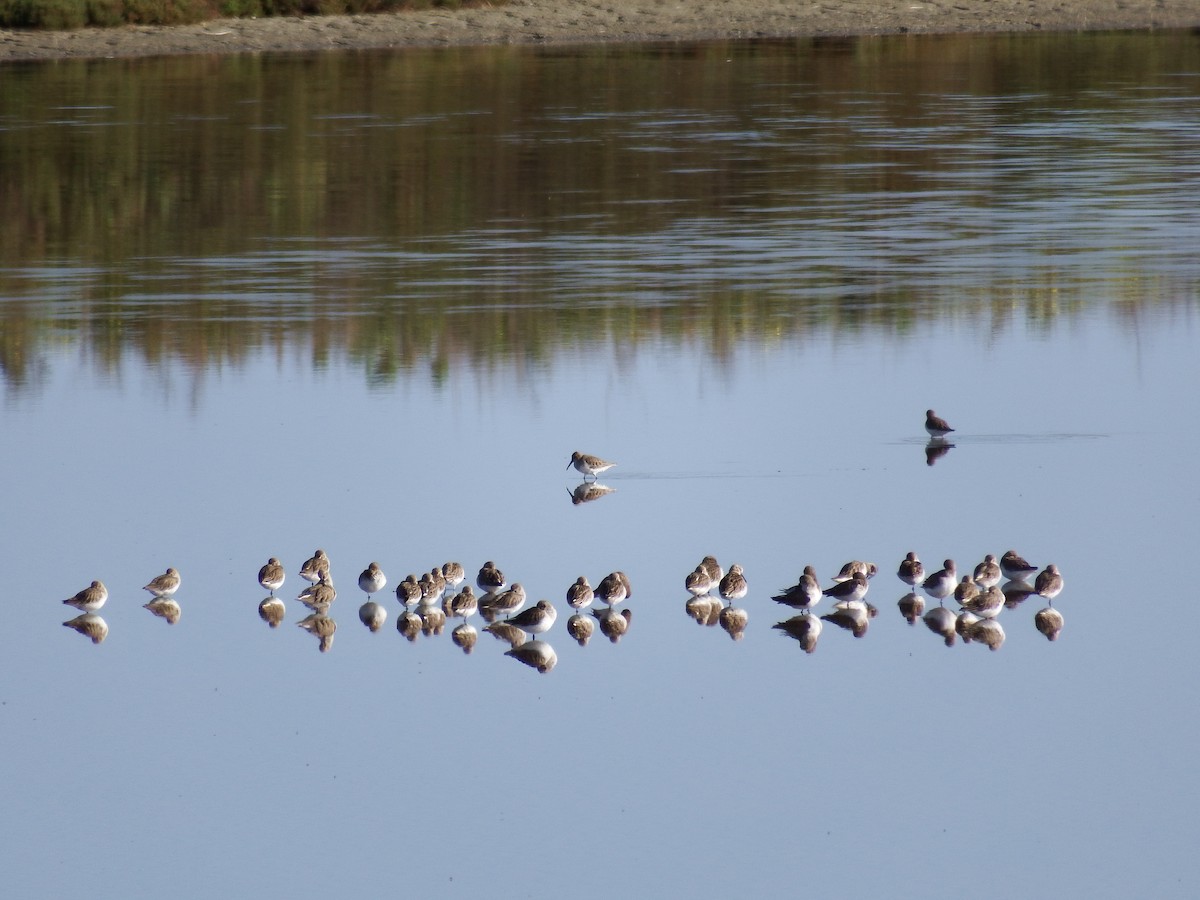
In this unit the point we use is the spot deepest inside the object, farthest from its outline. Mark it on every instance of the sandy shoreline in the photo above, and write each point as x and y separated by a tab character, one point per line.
589	21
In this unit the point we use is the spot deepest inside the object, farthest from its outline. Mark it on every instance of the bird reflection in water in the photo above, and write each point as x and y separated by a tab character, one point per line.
165	608
1048	621
272	611
320	626
433	620
581	628
850	615
941	621
536	654
505	631
734	620
408	623
985	631
1016	593
320	596
935	450
373	615
586	492
89	625
705	610
613	624
465	637
911	607
805	629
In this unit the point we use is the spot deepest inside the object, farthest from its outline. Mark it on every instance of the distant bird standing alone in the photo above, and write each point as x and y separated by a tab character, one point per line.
936	426
589	465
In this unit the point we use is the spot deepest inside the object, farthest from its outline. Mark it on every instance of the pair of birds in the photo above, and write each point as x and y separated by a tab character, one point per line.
708	574
613	588
95	595
849	587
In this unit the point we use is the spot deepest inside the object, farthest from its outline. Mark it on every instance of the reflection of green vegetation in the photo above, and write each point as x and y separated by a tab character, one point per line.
486	206
69	14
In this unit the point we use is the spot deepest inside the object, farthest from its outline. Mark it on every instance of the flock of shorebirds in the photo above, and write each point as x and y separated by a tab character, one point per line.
428	602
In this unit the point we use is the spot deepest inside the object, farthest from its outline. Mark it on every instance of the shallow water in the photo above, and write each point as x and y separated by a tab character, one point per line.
372	302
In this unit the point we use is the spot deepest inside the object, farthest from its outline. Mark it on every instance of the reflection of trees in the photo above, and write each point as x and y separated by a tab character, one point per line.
493	207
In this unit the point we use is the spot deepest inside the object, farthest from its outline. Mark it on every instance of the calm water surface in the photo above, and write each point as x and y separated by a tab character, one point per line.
371	303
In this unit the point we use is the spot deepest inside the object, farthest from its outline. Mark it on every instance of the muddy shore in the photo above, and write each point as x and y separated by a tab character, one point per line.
590	21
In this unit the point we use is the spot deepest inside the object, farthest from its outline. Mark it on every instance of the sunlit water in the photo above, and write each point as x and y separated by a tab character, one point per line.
371	303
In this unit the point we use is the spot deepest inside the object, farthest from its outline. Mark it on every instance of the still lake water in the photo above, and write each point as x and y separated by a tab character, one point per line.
371	303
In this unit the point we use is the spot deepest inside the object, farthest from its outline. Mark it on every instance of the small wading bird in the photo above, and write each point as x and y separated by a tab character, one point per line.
589	465
936	426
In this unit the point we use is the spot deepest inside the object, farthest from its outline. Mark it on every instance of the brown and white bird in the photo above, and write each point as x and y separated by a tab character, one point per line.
936	425
1049	582
912	570
733	586
941	583
804	594
589	465
164	585
271	575
313	567
90	599
372	579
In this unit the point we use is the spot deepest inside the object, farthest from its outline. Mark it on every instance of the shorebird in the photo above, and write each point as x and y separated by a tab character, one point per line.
164	585
580	595
319	596
912	570
490	580
941	583
90	599
936	425
713	568
698	582
613	589
589	465
846	572
505	604
966	590
804	594
313	567
538	619
464	604
454	574
1049	582
408	591
372	579
1015	567
987	573
733	586
271	575
986	604
848	592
